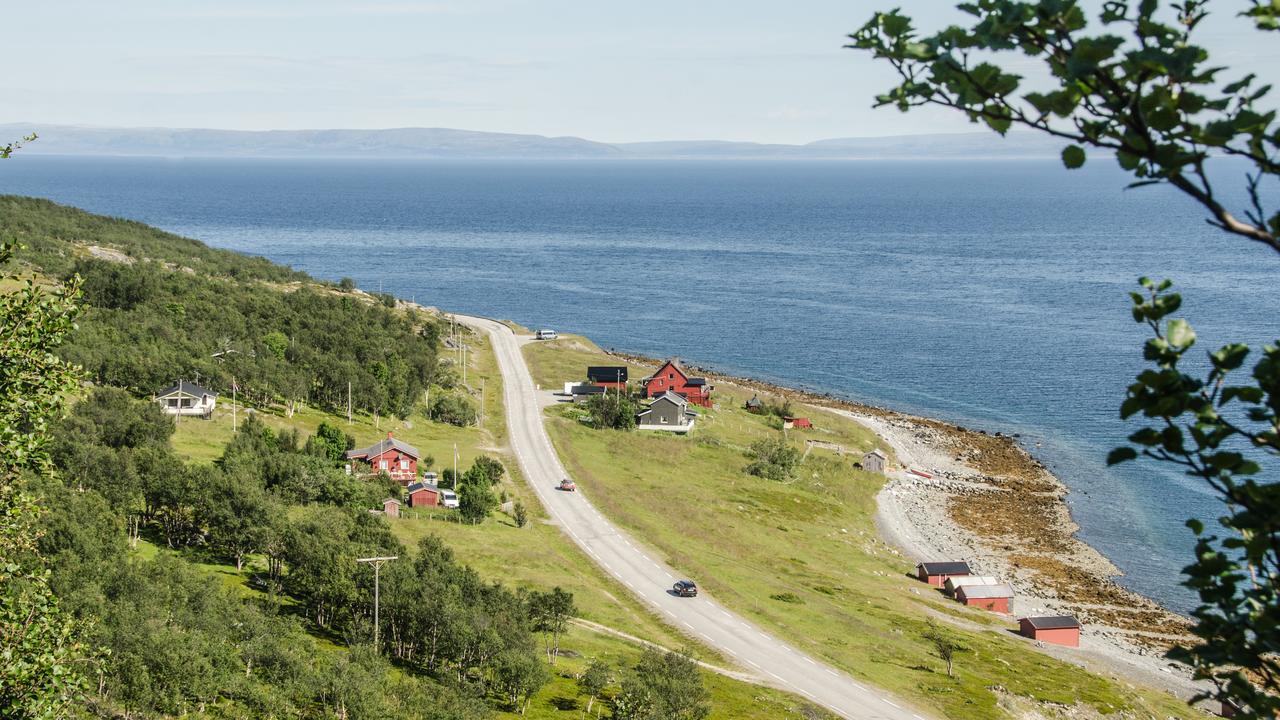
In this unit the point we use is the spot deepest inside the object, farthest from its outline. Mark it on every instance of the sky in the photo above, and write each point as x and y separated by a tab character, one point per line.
606	71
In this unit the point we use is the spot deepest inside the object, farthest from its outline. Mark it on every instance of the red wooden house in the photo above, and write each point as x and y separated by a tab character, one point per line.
391	456
1059	630
671	377
988	597
796	422
936	573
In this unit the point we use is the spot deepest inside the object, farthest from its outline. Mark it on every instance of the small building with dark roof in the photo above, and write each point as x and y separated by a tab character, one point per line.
995	598
1057	629
583	393
394	457
936	573
187	400
423	494
754	406
613	377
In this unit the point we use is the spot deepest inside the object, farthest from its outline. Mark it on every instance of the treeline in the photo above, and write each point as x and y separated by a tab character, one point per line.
164	308
176	643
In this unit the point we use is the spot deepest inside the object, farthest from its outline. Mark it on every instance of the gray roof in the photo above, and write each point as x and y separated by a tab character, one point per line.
676	398
945	568
185	387
985	591
382	446
415	487
588	389
1055	622
879	454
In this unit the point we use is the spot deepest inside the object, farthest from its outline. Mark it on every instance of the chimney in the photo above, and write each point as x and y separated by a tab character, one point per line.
388	434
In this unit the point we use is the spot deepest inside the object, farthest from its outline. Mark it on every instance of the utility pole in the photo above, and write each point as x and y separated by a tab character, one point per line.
348	402
455	467
377	563
233	405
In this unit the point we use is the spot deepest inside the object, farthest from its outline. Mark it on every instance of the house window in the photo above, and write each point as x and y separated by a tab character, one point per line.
173	402
671	376
404	464
662	419
383	465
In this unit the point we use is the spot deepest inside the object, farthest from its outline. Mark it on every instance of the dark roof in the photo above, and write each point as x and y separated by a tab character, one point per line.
945	568
382	446
754	401
607	373
415	487
695	381
588	390
189	388
1056	622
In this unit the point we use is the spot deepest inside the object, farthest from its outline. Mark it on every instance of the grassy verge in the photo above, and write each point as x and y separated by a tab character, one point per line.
803	558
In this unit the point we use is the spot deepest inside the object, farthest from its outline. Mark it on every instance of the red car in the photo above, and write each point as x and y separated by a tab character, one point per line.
567	485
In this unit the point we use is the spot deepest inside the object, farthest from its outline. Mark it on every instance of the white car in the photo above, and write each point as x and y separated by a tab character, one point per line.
545	335
449	498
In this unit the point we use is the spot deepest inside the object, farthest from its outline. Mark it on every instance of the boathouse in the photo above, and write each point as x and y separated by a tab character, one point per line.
936	573
1056	630
995	598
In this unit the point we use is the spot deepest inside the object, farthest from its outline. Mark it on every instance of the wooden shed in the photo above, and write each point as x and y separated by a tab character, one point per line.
391	508
1057	630
995	598
936	573
799	423
875	461
955	583
423	494
754	405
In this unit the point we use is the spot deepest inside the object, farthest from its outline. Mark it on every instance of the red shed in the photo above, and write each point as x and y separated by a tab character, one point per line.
796	422
671	377
423	495
1058	630
391	508
988	597
393	457
936	573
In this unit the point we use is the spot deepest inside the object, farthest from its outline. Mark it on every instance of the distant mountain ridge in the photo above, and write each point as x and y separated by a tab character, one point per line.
443	143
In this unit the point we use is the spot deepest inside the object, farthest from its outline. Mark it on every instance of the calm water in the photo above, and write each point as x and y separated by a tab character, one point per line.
990	294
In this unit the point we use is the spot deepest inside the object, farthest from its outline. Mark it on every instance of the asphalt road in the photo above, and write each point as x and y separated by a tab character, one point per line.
774	661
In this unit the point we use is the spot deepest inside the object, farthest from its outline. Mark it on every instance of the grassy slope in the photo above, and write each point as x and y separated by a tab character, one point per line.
747	540
537	555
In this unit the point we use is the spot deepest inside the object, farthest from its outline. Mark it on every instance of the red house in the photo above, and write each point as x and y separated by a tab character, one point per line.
936	573
423	495
1059	630
393	457
988	597
671	377
796	422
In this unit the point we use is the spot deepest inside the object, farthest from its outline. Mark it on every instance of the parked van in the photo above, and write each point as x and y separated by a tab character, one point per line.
448	498
545	335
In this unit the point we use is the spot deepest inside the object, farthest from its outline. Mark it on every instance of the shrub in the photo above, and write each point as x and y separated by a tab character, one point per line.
452	408
613	410
773	459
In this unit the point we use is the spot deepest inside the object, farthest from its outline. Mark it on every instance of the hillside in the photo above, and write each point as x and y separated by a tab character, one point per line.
213	560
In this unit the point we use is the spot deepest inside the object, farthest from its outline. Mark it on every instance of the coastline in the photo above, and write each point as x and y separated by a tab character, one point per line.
990	502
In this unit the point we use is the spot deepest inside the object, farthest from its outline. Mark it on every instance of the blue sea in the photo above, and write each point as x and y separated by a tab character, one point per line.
993	294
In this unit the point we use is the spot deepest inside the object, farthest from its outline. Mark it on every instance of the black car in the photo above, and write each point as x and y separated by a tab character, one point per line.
685	588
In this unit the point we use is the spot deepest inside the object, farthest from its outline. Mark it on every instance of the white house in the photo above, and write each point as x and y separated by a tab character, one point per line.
187	399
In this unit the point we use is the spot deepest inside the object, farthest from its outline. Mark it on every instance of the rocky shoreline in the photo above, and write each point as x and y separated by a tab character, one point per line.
990	502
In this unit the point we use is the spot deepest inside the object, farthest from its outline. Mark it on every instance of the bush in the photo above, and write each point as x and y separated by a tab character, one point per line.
613	410
346	284
787	598
520	514
452	408
773	459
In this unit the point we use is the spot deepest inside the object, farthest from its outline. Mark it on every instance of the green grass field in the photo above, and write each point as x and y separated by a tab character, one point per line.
536	556
803	558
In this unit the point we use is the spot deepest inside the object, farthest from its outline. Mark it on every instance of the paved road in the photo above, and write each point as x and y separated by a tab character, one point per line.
773	660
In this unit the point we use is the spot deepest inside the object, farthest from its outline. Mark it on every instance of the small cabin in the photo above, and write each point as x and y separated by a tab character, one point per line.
1057	630
423	494
936	573
668	412
875	461
583	393
186	399
995	598
754	406
391	508
798	423
955	583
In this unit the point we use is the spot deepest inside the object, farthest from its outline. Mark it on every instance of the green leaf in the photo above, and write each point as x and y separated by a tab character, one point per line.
1073	156
1180	334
